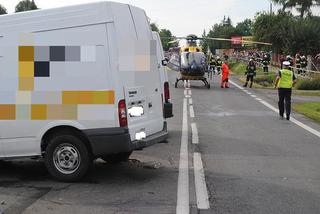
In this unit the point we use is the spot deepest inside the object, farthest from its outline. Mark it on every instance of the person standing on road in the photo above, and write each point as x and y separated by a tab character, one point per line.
225	75
251	72
212	64
218	64
298	63
265	63
284	82
304	64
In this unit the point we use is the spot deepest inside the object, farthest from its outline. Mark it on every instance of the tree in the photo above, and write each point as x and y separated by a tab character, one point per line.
154	27
204	43
26	5
3	10
284	3
244	28
303	6
222	30
287	33
166	37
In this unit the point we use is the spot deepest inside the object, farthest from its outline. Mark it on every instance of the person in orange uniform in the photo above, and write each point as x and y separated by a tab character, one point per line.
225	75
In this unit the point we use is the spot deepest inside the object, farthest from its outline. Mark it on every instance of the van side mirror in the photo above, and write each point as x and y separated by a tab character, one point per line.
164	62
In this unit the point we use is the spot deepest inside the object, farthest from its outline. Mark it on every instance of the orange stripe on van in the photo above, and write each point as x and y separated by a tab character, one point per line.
7	112
88	97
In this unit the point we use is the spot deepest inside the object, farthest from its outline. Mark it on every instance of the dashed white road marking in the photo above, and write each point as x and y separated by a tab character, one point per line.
183	178
199	177
191	111
195	135
189	92
254	96
185	92
293	120
190	101
200	182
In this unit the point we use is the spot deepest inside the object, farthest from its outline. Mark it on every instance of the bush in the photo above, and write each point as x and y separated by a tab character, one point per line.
265	80
308	84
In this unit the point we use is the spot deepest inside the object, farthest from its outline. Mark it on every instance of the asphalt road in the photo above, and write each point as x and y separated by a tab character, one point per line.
252	163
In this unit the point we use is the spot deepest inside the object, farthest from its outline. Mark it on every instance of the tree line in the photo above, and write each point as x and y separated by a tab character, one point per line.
289	34
23	5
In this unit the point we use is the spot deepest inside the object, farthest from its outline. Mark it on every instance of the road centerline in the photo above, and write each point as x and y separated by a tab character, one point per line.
183	178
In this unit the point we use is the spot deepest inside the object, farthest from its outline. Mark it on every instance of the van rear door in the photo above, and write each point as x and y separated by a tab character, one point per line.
138	76
147	81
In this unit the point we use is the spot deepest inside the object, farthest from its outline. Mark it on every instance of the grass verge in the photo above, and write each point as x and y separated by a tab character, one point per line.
309	109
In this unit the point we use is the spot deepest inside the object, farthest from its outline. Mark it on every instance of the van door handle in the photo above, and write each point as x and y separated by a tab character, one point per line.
150	105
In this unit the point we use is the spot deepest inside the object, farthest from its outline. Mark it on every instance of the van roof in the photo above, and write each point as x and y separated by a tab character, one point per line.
83	14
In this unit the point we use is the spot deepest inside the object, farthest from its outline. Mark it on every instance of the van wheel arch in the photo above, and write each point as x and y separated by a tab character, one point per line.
58	130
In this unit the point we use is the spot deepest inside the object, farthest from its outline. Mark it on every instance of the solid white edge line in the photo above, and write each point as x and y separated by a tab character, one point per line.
200	182
293	120
195	135
191	111
183	178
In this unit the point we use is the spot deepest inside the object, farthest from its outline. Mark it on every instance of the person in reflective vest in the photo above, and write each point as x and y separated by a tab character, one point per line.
251	72
284	82
225	75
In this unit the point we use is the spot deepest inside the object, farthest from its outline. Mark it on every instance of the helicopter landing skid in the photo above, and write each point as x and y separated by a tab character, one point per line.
203	79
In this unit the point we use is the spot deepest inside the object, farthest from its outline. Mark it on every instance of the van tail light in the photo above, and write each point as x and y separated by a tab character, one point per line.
166	92
122	113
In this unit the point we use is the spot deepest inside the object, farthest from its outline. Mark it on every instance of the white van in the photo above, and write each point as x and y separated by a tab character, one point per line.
78	83
167	105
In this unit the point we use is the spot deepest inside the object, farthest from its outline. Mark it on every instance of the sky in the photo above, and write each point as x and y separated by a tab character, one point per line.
181	17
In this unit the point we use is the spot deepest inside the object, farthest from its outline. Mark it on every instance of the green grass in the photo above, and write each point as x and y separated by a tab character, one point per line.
306	92
309	109
239	68
308	84
265	80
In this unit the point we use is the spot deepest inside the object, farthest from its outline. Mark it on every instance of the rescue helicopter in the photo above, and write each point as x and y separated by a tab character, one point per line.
190	60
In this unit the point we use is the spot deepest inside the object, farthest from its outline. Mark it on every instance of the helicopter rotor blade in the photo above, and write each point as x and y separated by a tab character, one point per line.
242	41
174	41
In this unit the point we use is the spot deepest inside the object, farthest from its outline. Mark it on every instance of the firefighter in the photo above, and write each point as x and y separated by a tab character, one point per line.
251	73
218	64
284	82
265	63
212	64
304	64
290	59
225	75
298	63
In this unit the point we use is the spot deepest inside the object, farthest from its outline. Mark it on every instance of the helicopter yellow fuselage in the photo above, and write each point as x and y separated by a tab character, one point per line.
191	49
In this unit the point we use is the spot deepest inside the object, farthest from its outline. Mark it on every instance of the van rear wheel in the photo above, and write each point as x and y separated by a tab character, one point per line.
67	158
117	158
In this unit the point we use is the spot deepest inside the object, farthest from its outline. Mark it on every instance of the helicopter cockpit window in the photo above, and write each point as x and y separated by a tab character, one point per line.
193	61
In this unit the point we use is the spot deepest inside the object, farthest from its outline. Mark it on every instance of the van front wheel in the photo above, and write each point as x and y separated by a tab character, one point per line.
67	157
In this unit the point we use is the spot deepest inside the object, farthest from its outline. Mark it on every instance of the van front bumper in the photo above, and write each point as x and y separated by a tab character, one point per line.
107	141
